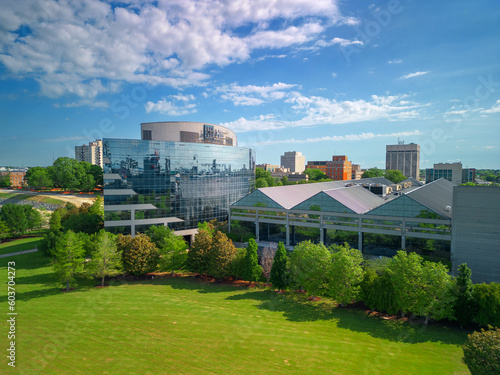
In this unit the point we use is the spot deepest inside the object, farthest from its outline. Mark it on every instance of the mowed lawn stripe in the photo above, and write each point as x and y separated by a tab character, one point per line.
183	326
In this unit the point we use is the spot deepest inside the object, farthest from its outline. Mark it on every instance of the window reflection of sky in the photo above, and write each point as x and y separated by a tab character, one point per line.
195	182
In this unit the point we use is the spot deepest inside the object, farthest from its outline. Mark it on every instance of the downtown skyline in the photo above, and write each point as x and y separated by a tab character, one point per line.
323	78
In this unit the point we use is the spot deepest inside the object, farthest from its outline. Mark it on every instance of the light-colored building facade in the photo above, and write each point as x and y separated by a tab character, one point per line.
269	167
188	131
452	172
405	158
356	172
91	153
294	161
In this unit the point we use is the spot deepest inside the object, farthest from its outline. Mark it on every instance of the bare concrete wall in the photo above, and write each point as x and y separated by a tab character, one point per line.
476	231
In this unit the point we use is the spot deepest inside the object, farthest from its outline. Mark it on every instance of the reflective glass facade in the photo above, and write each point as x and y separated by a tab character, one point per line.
188	181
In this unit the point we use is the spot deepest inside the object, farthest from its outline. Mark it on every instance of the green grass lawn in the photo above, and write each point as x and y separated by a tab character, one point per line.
21	244
183	326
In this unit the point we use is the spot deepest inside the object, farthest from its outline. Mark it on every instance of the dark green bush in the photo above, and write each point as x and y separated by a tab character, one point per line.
482	352
487	297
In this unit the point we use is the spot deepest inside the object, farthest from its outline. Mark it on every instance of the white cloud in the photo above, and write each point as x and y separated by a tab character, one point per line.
345	42
494	109
395	61
411	75
251	95
490	147
88	48
334	74
315	110
341	138
170	107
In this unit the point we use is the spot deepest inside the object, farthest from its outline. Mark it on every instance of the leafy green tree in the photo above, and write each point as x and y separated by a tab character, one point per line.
482	352
106	259
48	244
4	230
405	272
437	298
197	255
5	181
170	246
139	254
253	270
212	251
345	274
278	271
261	183
69	257
220	255
33	216
237	267
97	207
262	175
84	222
378	291
465	305
55	221
38	178
14	216
487	297
309	265
66	173
373	172
394	176
95	171
315	174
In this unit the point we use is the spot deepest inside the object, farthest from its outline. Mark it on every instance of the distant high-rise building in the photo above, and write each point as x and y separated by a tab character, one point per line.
404	158
452	172
91	154
294	161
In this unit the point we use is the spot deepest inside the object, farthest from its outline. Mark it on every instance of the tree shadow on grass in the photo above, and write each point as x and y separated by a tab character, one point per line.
297	308
28	261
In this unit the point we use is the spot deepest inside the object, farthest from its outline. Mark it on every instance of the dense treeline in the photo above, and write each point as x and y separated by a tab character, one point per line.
405	284
16	220
65	173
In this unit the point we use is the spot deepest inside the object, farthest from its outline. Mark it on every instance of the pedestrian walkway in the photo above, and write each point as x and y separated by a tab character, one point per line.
18	253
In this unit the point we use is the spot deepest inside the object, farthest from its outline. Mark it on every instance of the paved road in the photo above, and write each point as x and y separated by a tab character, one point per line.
18	253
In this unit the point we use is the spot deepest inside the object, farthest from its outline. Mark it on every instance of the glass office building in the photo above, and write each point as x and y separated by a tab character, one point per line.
178	184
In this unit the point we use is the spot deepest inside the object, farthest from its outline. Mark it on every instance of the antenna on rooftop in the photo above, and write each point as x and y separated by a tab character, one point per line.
400	142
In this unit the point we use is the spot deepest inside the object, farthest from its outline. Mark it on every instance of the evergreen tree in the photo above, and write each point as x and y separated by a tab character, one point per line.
106	259
55	221
69	257
278	272
252	270
170	246
465	305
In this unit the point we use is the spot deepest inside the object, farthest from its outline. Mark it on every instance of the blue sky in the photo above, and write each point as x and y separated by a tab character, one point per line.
322	77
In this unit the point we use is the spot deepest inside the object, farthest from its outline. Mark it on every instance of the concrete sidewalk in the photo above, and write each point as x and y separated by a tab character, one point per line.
18	253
